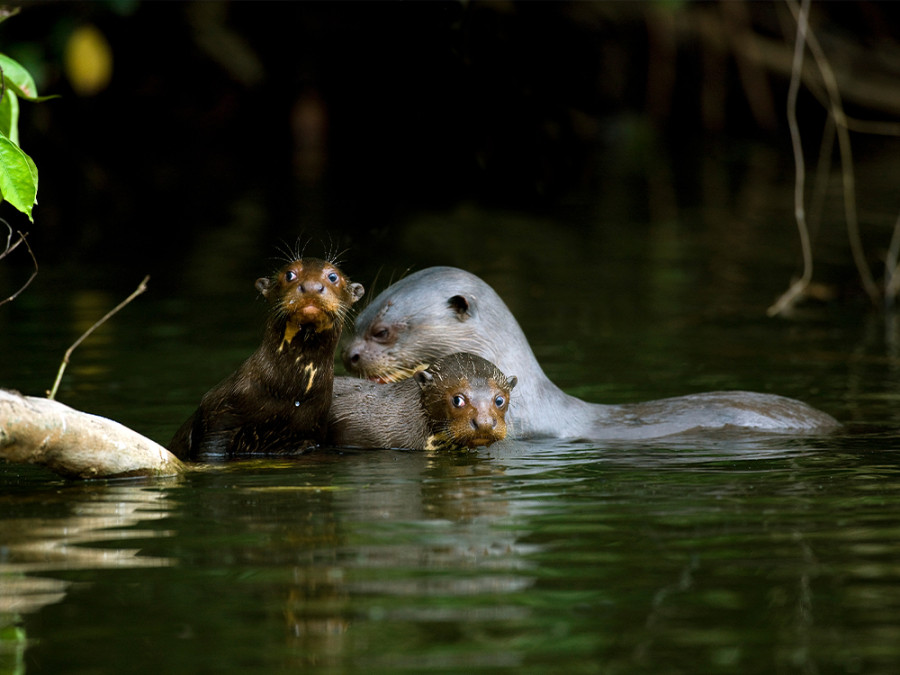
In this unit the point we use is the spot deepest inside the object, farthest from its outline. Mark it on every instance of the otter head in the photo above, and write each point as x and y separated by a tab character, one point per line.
427	315
310	293
466	399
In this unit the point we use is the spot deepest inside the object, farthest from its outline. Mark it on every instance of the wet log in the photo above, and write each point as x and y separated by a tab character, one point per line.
76	444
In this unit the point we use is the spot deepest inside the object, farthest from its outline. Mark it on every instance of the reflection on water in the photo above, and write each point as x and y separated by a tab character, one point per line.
737	554
33	548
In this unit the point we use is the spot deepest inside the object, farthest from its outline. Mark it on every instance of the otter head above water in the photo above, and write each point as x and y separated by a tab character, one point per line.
441	310
427	315
459	401
465	398
309	292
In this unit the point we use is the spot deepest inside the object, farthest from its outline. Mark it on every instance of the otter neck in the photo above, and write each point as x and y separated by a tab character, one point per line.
292	357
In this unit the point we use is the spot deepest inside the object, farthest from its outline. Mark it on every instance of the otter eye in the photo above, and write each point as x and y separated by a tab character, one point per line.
333	277
458	400
290	275
499	401
380	333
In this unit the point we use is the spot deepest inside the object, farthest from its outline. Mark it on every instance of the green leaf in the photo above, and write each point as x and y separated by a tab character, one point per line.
18	79
18	177
9	116
32	167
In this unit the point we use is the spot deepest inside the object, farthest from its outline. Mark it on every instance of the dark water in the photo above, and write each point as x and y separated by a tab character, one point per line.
690	555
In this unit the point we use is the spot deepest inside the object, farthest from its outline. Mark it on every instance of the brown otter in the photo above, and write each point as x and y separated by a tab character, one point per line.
459	401
440	310
278	399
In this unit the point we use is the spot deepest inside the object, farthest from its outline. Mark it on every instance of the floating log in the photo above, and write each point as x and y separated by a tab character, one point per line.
76	444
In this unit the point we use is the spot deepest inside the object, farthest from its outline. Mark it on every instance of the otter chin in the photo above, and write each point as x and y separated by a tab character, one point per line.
441	310
315	316
310	314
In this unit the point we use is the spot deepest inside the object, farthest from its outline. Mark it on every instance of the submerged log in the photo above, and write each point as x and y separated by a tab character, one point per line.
76	444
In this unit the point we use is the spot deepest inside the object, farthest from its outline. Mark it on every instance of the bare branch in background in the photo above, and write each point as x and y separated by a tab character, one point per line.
65	362
789	297
836	109
10	247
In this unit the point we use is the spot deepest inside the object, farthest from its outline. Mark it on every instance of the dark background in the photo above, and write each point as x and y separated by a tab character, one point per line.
337	120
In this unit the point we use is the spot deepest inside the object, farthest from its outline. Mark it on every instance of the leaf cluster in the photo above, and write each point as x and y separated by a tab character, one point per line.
18	174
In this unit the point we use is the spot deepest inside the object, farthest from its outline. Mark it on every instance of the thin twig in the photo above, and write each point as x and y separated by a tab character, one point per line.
820	184
9	249
65	362
892	268
836	109
790	296
872	127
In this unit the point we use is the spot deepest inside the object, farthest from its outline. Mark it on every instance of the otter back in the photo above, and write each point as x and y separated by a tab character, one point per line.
441	310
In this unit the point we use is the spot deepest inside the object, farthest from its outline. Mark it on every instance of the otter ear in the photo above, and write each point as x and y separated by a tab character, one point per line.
263	285
512	381
356	291
424	378
460	305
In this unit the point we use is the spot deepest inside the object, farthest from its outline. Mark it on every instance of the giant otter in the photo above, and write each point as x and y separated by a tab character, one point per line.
278	399
459	401
440	310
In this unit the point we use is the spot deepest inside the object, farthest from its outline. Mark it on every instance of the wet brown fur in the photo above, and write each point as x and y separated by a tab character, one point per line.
276	402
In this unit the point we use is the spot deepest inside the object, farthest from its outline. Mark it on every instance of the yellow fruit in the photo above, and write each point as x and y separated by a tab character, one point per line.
88	61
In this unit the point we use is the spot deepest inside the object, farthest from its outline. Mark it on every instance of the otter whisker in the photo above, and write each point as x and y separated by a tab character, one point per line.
301	247
373	287
285	253
336	258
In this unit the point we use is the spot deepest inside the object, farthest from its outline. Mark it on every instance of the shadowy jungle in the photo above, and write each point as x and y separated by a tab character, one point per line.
342	118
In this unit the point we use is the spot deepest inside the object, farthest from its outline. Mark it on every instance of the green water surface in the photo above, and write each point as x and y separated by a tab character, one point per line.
710	554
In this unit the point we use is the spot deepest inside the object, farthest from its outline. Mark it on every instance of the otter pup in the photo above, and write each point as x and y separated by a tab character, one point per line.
278	399
459	401
440	310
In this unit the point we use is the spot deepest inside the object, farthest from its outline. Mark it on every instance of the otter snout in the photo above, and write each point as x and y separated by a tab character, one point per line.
311	286
485	428
483	420
351	356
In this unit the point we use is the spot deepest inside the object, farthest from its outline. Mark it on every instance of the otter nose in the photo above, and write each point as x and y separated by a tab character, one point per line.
312	287
351	357
483	422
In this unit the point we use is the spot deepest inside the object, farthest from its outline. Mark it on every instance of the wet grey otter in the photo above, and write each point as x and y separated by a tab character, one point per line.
440	310
278	399
459	401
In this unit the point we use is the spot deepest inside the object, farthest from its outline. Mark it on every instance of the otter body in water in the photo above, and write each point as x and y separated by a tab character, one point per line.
440	310
459	401
278	399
